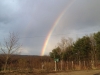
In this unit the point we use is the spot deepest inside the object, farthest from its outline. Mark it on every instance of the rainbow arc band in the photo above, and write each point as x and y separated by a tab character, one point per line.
53	27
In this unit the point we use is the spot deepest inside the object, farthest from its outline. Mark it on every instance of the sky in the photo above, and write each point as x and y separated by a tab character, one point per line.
34	20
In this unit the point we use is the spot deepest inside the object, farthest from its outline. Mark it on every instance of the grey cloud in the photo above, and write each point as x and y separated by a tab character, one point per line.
33	19
82	14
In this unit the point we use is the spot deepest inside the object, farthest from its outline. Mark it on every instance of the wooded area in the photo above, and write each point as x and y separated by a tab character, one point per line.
84	53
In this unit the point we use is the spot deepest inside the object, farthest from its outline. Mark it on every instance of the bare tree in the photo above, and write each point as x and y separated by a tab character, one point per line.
93	50
63	45
10	46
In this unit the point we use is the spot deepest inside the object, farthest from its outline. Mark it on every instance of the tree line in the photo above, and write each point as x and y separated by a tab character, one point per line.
84	53
25	63
85	50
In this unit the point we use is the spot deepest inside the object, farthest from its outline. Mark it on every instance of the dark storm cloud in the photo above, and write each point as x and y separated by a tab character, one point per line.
33	19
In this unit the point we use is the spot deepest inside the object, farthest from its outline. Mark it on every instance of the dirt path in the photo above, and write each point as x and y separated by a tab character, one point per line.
90	72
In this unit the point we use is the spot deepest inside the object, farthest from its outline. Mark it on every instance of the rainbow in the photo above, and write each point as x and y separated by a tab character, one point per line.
53	27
